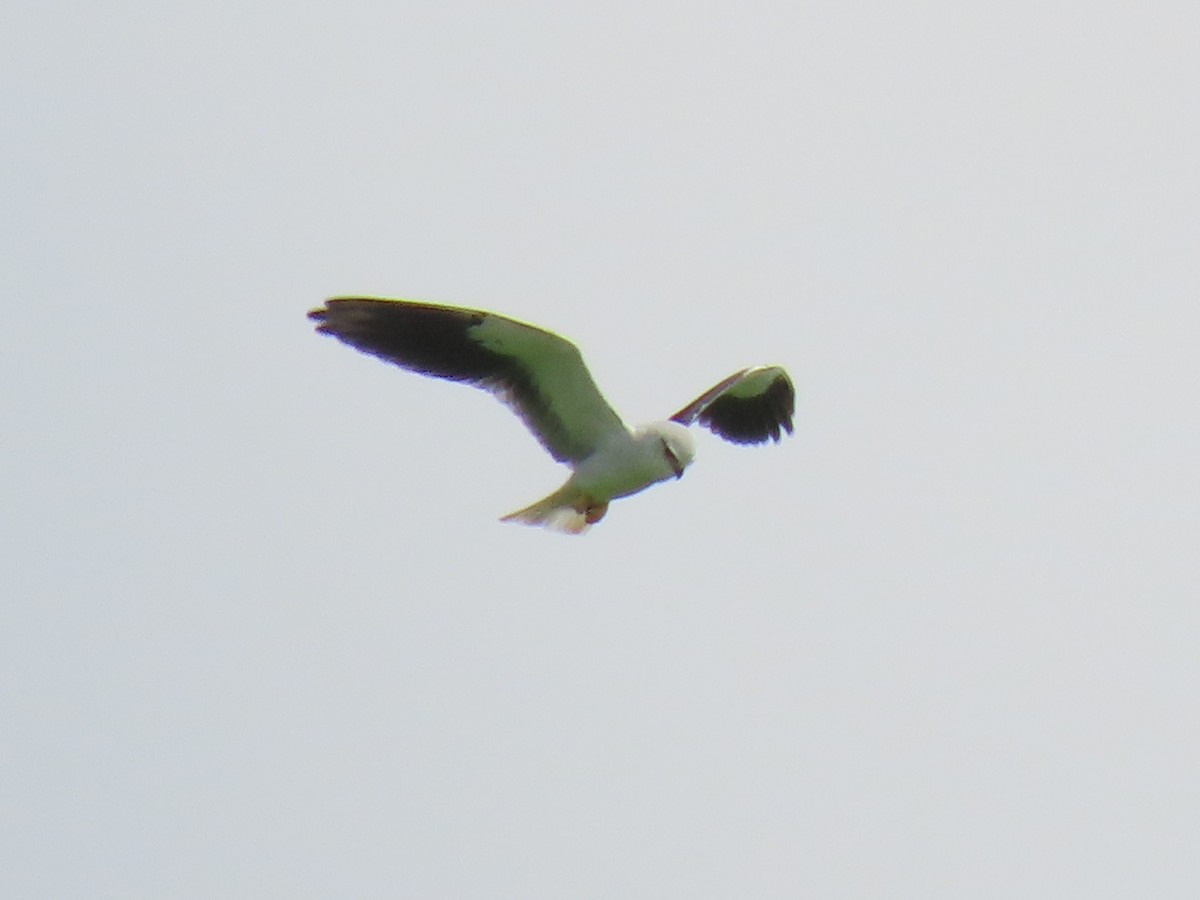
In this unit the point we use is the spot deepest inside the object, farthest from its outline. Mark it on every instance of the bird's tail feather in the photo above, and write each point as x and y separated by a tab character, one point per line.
567	511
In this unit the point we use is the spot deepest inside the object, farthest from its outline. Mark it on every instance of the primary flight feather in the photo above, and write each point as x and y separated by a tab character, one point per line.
543	379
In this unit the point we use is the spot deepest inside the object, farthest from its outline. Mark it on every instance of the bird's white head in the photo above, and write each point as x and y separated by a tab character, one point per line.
678	448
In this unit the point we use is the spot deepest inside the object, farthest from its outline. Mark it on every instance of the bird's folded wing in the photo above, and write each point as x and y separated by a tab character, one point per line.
539	375
748	407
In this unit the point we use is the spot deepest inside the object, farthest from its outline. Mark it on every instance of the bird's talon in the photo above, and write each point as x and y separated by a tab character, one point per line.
595	513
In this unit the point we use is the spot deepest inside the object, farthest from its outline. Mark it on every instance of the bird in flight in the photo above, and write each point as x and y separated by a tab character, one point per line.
543	379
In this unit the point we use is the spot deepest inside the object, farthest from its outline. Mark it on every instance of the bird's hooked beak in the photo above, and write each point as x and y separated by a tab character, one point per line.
673	461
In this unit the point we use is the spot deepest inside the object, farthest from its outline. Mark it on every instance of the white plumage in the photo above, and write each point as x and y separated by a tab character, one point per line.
543	379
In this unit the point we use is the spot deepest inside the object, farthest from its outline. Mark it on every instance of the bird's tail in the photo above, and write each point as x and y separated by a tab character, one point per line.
567	511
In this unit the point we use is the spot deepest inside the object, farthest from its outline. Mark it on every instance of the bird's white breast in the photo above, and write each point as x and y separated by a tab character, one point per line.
624	465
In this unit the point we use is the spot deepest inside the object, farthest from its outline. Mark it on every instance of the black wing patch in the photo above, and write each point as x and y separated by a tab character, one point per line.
440	341
432	340
748	407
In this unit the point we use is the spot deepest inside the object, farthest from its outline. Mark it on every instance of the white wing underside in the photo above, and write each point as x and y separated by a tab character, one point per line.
571	418
537	374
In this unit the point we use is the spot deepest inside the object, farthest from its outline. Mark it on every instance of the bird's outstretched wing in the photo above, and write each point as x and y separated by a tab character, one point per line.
539	375
748	407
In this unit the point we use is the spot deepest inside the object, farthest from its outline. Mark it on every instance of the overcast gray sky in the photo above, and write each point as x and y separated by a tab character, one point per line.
261	632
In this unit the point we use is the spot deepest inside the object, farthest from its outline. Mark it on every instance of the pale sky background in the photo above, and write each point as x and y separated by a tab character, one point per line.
262	635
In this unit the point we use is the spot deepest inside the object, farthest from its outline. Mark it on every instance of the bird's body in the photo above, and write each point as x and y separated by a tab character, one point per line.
542	377
630	462
622	465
